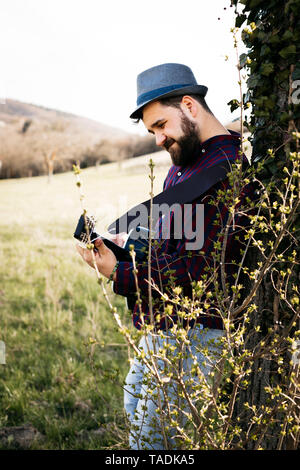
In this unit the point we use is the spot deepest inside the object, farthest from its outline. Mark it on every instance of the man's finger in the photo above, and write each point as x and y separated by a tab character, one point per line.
82	251
99	244
86	255
79	249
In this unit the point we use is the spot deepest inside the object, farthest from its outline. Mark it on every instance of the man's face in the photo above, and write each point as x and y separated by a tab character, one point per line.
173	131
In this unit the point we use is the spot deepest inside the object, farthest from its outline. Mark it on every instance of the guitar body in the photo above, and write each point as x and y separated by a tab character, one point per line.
85	233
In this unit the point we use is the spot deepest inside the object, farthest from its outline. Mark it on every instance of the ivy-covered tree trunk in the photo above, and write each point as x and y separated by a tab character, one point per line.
271	34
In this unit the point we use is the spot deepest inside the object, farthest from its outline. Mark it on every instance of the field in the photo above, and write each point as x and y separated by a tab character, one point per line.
65	358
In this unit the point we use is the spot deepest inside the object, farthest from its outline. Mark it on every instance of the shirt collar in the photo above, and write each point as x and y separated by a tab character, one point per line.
233	138
213	143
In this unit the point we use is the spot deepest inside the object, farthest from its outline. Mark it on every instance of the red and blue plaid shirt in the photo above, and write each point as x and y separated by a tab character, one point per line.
170	259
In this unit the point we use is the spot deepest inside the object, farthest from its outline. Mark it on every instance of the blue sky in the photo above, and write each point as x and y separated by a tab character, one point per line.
83	56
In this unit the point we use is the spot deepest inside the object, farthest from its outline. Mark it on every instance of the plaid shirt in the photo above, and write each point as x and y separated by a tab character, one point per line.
171	254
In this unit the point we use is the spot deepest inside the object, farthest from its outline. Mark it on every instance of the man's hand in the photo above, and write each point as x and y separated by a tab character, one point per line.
104	257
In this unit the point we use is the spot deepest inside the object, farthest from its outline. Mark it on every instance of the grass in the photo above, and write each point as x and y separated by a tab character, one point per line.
65	358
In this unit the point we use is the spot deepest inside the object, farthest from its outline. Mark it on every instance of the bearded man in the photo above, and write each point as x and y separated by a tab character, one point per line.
172	107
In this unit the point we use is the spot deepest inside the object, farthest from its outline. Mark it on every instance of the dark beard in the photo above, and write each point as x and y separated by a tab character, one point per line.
189	145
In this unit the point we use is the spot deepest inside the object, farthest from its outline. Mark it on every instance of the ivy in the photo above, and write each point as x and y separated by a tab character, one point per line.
271	33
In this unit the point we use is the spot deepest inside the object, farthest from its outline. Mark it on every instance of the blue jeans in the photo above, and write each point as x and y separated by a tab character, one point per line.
141	407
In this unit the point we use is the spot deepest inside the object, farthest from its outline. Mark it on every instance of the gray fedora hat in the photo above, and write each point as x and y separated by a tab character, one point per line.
163	81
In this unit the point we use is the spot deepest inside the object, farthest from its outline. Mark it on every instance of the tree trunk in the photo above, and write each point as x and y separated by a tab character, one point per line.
271	127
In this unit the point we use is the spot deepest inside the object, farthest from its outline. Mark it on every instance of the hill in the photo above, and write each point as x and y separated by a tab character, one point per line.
35	140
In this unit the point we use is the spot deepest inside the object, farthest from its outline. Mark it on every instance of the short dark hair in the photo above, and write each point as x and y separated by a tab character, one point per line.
175	102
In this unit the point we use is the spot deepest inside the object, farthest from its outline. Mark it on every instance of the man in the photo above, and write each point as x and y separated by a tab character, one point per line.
172	107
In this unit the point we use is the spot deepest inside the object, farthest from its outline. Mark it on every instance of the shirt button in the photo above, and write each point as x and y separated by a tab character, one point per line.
179	173
203	150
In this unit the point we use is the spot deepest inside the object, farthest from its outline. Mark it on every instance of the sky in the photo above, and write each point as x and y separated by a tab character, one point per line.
83	56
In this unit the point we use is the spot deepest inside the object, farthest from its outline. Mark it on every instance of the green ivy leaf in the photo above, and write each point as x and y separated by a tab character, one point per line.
255	3
253	80
265	50
267	69
234	104
274	39
287	36
243	60
286	51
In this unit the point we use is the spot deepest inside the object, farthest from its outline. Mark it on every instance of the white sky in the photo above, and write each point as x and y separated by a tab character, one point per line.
83	56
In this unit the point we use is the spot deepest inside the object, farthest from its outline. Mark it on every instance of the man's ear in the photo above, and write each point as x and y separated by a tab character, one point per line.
190	105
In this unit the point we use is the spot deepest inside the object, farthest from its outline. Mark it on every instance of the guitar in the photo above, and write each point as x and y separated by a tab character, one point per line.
85	233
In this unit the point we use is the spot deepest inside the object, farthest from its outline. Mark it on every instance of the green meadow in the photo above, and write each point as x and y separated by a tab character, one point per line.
65	358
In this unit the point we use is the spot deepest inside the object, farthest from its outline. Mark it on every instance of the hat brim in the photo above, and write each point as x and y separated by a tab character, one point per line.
195	90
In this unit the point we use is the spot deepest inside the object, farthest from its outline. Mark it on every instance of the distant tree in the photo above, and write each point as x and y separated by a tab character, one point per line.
26	125
49	160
